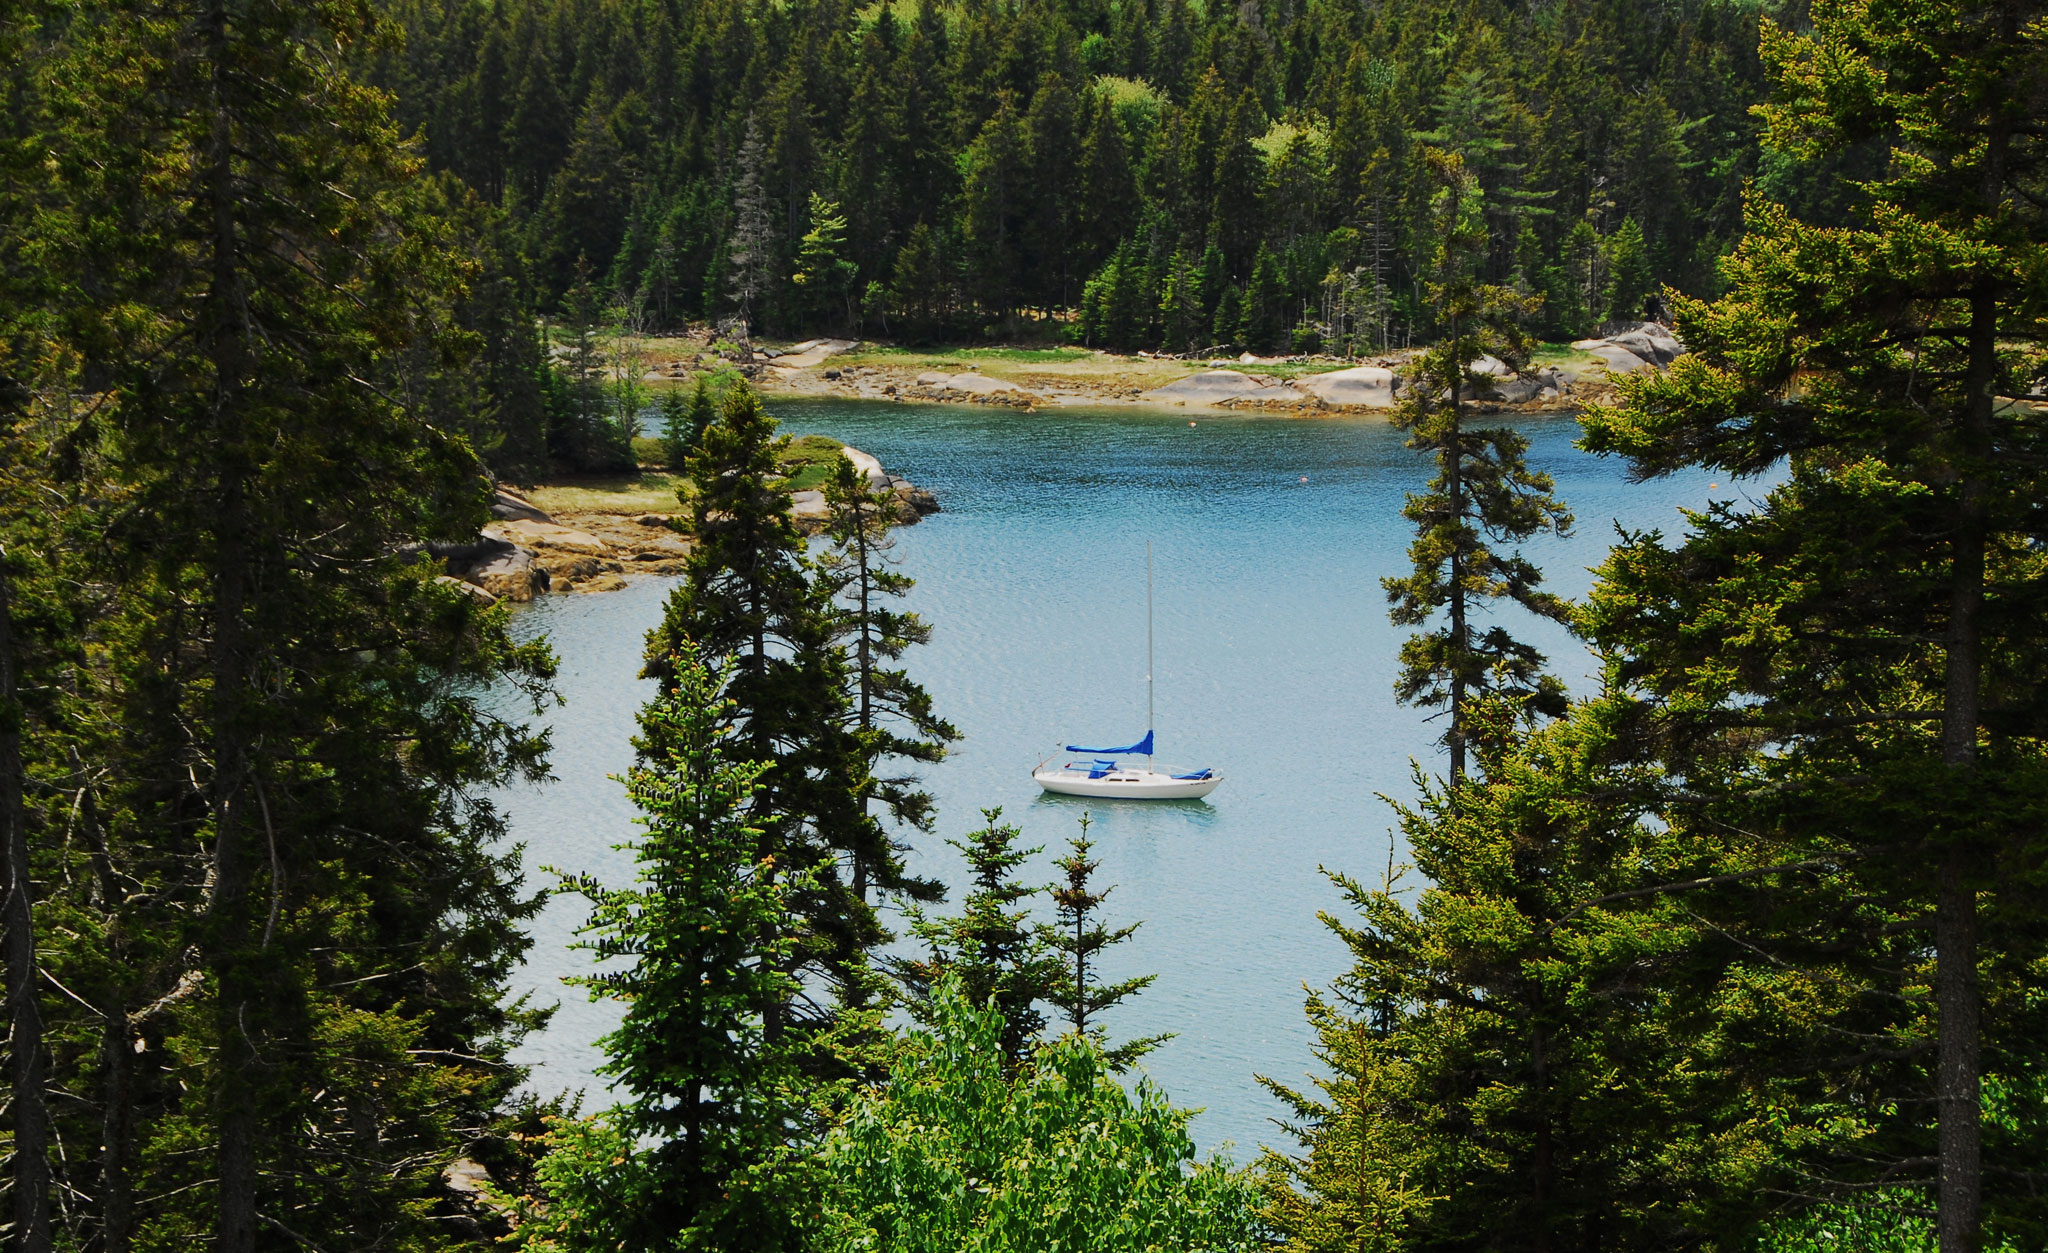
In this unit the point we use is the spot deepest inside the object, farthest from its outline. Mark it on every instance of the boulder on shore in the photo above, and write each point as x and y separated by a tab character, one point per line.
1370	386
869	466
496	565
548	535
1211	387
1522	389
979	385
1642	346
508	505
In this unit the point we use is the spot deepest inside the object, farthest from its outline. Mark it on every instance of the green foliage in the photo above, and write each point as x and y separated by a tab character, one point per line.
990	950
955	1153
824	274
752	598
1077	935
987	162
1483	493
699	949
283	914
1839	665
893	715
1517	1047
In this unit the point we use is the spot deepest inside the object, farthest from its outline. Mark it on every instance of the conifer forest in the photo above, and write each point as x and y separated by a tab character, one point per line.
1743	949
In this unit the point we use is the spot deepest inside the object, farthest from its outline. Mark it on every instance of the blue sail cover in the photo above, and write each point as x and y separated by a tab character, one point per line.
1141	748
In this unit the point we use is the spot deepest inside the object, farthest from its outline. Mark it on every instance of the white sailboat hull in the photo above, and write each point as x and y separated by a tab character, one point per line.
1129	785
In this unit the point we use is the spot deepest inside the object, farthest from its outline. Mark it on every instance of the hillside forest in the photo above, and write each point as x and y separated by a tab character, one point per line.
1144	174
1743	950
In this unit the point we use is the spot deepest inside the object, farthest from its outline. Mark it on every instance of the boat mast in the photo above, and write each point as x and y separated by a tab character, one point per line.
1148	647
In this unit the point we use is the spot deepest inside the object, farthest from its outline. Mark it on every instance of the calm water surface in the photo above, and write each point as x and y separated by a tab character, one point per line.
1275	663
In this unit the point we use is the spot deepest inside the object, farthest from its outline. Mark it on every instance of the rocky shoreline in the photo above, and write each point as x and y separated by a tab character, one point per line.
1295	385
525	551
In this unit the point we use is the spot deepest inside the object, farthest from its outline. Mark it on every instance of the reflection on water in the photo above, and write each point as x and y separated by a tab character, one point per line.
1275	662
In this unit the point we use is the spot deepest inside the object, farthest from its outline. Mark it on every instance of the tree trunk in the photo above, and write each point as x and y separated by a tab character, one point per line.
1454	491
24	1013
117	1037
865	663
1958	1063
224	331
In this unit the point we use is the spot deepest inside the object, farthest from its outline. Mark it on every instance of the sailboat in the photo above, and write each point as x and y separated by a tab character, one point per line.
1102	772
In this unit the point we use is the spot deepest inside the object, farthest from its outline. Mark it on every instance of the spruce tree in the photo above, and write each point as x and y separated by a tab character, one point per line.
1483	493
1517	1037
1077	935
289	820
751	593
893	718
701	949
990	949
1868	623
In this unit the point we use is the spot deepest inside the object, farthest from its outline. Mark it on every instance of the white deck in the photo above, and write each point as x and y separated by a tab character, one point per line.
1124	783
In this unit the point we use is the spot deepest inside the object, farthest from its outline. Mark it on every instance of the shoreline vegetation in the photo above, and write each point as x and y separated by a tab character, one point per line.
588	532
1561	377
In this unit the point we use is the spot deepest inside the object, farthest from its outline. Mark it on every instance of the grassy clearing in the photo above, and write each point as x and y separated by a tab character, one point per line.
646	491
1560	354
807	461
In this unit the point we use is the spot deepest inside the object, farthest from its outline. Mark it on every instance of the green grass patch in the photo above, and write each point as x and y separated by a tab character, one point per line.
646	491
940	358
809	460
1560	354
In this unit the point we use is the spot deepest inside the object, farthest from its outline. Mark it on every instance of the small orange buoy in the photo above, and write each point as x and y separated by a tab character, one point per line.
1190	424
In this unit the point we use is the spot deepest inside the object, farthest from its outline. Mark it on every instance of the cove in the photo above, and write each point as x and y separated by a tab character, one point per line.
1275	663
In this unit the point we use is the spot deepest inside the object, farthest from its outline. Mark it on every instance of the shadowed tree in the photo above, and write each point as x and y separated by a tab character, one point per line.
1483	494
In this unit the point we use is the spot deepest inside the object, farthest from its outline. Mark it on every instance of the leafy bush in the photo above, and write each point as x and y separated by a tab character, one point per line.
952	1156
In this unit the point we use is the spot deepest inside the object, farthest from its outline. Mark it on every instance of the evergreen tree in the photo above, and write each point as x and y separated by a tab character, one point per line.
992	215
990	949
751	593
677	430
1079	938
749	250
1886	587
287	907
703	941
1517	1039
824	275
892	713
920	287
1628	273
1483	493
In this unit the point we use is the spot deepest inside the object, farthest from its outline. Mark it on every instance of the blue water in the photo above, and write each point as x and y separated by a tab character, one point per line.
1275	663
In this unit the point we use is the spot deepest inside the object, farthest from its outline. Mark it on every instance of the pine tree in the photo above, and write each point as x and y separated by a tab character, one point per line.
990	948
1483	493
1886	588
892	714
702	945
1077	935
824	274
